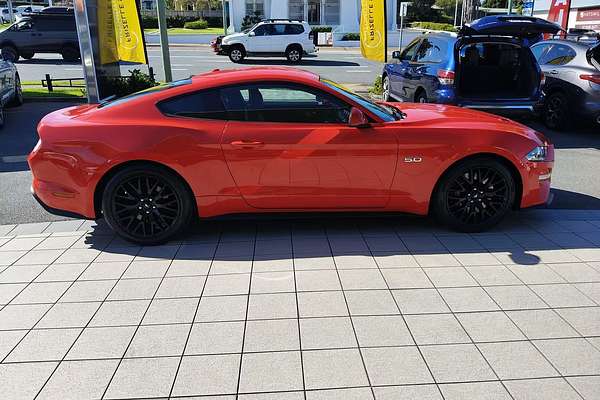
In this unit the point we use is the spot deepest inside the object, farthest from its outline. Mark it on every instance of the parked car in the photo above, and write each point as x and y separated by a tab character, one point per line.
263	140
5	15
41	33
572	89
269	38
22	10
487	66
11	93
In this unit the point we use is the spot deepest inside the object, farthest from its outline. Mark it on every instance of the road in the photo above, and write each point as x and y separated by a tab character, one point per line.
345	66
575	182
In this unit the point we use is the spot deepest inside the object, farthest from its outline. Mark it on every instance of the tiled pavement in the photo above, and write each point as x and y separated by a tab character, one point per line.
340	308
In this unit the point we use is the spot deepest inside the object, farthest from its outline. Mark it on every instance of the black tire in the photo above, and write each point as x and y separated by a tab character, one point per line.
10	53
27	55
70	54
133	214
1	117
421	97
556	111
385	85
237	54
474	195
17	99
294	54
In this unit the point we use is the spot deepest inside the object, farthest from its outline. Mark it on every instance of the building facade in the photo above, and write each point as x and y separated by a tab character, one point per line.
584	14
342	15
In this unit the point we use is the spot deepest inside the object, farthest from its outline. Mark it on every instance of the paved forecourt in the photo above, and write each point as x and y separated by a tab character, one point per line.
338	308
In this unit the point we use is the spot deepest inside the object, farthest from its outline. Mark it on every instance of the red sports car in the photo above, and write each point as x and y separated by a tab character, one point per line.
280	140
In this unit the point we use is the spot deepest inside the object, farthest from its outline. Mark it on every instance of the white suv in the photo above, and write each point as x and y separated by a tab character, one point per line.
271	37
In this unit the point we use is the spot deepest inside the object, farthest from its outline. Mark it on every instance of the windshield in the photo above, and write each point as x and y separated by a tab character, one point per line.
113	101
386	113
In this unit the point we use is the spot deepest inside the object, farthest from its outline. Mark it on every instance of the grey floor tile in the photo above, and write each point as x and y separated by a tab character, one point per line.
44	345
385	330
268	372
587	386
58	242
104	270
493	275
340	394
371	302
396	366
362	279
571	356
69	256
490	327
61	272
44	292
576	272
391	243
457	363
147	269
272	265
267	396
313	262
450	277
269	306
272	335
68	315
109	342
231	265
390	260
22	316
8	340
474	259
542	324
215	337
184	286
10	257
82	380
327	333
5	229
115	313
159	340
333	369
317	280
171	311
585	320
272	282
23	381
562	295
436	329
536	274
438	259
189	267
21	273
88	291
468	299
420	301
29	229
541	389
217	285
224	308
517	360
207	375
591	290
475	391
9	290
515	297
421	392
406	278
143	377
134	289
353	261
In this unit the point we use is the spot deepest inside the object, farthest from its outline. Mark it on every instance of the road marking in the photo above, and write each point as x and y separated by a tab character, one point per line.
14	159
179	69
73	69
182	65
358	72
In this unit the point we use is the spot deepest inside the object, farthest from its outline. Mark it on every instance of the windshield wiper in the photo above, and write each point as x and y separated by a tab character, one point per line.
398	115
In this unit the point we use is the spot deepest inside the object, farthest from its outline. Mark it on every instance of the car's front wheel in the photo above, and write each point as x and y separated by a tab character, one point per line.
474	195
147	204
9	53
386	89
294	54
17	99
70	54
28	55
237	54
556	111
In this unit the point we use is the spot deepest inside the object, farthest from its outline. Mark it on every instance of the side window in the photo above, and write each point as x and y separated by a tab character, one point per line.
431	51
206	104
538	51
24	26
559	54
294	29
263	30
409	53
278	29
283	103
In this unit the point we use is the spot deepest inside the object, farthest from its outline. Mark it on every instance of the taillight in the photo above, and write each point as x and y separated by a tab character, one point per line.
311	35
542	79
446	77
595	78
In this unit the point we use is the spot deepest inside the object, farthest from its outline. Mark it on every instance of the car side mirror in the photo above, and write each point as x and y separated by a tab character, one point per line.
252	33
357	119
396	54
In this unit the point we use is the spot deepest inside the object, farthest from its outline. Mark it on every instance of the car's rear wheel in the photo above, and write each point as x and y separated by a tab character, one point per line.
421	97
294	54
237	54
70	53
10	53
386	89
474	195
556	111
147	204
28	55
17	99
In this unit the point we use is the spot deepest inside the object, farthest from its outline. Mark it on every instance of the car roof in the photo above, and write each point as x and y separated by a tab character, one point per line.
257	73
583	45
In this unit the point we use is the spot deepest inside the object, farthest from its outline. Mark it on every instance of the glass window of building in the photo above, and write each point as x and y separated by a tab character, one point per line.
254	7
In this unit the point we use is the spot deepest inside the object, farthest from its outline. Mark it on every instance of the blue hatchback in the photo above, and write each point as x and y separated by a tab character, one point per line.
488	65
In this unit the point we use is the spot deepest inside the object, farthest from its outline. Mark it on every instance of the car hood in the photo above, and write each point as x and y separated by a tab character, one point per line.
450	116
233	36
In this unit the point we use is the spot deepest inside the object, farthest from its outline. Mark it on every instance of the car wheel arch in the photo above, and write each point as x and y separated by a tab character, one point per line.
116	168
514	171
419	90
293	45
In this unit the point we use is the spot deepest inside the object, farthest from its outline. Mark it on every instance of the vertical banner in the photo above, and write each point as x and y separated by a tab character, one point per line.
120	32
559	12
373	30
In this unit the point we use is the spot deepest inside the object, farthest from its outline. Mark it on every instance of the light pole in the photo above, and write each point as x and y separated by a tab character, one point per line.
224	18
510	6
455	12
164	39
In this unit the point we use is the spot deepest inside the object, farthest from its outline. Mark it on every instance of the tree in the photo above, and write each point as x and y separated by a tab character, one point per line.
449	6
469	10
420	10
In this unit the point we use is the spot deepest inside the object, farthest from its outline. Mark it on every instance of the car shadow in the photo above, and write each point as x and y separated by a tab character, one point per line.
47	61
304	62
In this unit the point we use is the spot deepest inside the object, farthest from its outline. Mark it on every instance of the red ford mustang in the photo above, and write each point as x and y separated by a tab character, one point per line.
280	140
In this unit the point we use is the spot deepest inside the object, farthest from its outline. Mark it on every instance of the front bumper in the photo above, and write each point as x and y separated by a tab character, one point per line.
537	181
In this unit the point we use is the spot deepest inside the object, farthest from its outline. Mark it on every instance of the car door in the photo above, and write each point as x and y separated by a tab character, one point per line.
399	72
554	63
259	39
432	52
289	146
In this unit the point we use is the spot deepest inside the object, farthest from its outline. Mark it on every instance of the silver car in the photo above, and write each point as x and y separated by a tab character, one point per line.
11	94
572	87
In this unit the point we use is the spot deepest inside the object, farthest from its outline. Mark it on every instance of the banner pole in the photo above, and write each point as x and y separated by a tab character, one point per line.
164	39
385	30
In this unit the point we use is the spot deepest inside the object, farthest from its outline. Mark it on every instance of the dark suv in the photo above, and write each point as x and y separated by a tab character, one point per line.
41	33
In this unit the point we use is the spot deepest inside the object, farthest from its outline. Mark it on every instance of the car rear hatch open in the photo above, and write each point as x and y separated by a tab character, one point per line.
593	55
516	26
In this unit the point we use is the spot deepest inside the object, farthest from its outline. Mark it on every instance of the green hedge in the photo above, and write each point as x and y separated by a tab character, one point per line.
435	26
317	29
149	22
199	24
351	36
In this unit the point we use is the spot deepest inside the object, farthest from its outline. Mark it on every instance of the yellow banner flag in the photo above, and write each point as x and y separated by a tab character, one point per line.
120	33
373	30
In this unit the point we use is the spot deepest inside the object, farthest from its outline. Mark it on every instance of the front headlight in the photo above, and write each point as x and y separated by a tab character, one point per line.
538	154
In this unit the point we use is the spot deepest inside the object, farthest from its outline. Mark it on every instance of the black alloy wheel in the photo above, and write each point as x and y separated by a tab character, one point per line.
475	196
10	53
556	111
147	204
17	99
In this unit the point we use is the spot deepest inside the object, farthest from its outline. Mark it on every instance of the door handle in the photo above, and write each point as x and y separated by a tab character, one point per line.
553	72
246	143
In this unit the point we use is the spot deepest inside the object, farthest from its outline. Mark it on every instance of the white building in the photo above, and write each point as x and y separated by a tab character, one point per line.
342	15
584	13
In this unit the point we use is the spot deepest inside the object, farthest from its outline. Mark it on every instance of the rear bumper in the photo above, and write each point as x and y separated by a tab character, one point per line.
56	211
503	107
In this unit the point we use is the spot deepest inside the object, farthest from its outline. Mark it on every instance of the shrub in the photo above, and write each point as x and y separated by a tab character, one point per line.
124	85
199	24
149	22
214	22
435	26
250	20
317	29
351	36
377	88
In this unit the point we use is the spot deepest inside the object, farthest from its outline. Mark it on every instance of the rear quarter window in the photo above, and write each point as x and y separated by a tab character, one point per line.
294	29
